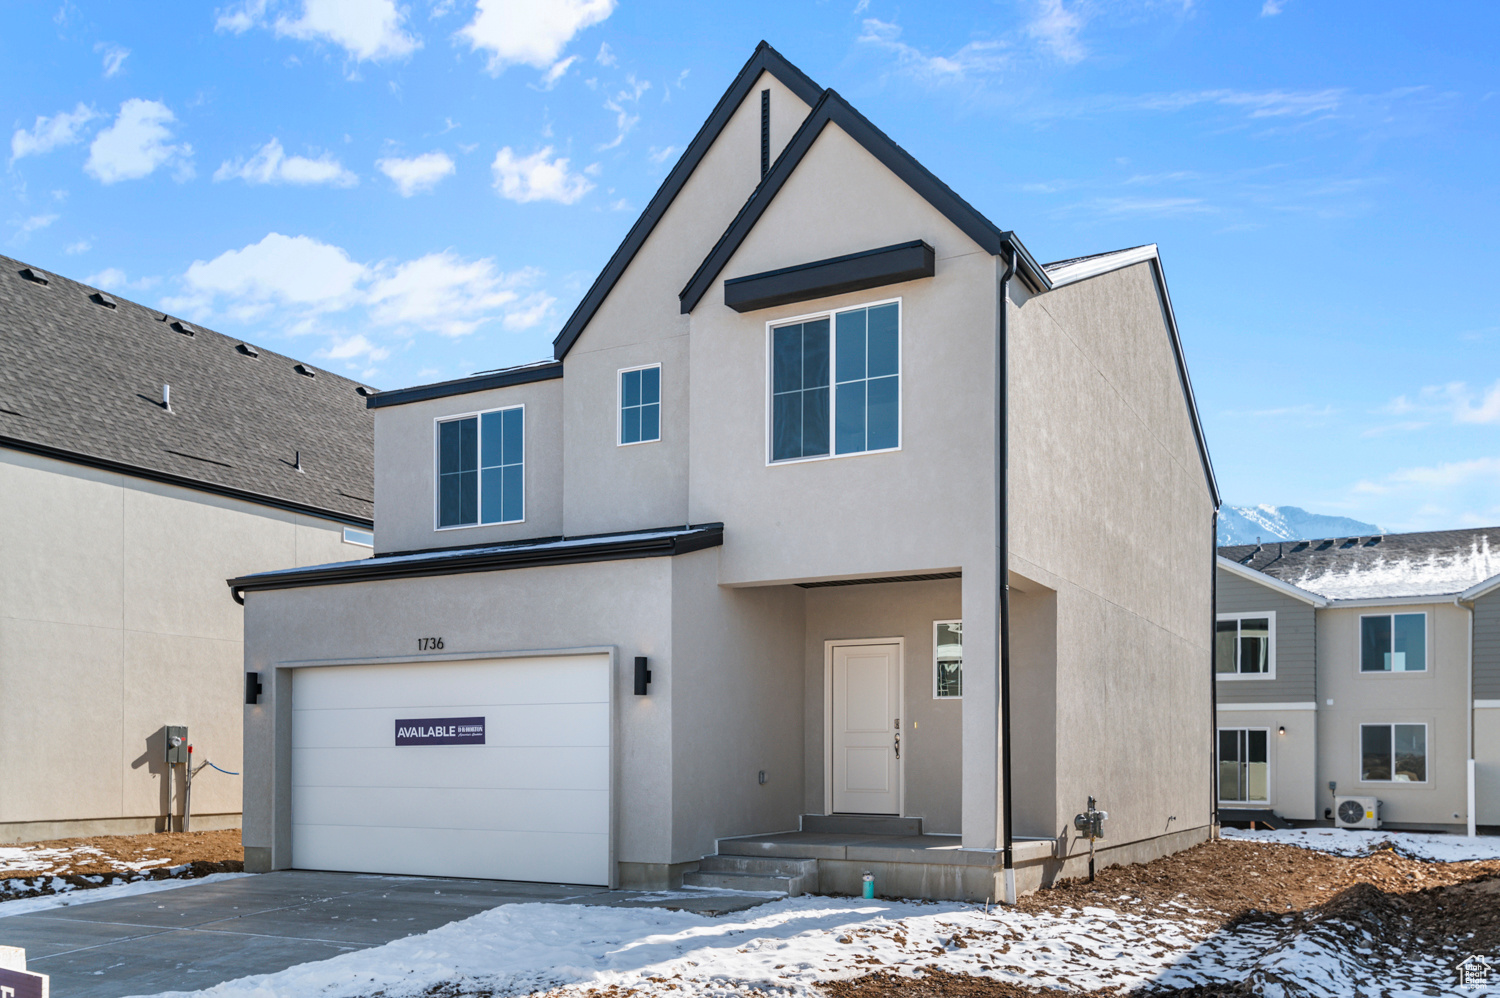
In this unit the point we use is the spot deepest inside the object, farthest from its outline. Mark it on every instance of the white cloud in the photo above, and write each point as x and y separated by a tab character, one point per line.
976	59
661	155
114	57
308	286
114	279
27	226
1056	27
558	70
137	143
537	178
1455	399
606	56
443	293
271	165
530	32
62	129
418	174
82	246
1271	8
365	29
622	104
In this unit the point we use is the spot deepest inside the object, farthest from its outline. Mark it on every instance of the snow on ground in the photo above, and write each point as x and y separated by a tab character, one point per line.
31	860
71	894
1432	847
787	947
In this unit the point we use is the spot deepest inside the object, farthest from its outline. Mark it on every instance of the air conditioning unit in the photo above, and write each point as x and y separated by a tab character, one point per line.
1356	812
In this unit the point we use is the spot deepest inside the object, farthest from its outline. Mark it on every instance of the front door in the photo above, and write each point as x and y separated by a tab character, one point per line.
866	702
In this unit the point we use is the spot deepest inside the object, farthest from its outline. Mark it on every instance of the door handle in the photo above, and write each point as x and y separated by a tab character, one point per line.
898	745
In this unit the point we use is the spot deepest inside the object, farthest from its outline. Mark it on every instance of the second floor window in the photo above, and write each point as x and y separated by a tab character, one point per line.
640	405
1393	642
1245	645
836	383
481	468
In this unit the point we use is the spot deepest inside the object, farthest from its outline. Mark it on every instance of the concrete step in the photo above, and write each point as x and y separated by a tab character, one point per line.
861	824
773	866
791	886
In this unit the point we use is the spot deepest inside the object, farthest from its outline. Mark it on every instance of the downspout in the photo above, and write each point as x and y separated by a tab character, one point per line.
1213	682
1469	722
1002	565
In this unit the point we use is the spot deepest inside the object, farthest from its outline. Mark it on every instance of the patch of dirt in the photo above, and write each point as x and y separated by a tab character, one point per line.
935	983
59	866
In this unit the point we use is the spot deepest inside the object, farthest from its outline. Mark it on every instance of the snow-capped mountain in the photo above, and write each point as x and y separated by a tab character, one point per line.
1243	524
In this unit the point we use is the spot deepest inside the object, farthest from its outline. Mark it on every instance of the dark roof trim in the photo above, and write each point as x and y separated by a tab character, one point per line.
463	386
764	60
661	543
835	276
833	108
179	480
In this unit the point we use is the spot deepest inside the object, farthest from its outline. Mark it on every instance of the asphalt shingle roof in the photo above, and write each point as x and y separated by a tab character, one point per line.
81	379
1435	563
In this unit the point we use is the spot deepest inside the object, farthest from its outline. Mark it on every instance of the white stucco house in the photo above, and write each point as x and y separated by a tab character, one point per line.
840	536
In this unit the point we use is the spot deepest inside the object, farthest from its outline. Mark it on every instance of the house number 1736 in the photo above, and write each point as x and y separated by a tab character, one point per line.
429	644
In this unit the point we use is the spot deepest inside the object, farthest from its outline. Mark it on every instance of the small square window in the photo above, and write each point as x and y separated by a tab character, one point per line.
1393	642
948	659
1245	646
640	405
1393	753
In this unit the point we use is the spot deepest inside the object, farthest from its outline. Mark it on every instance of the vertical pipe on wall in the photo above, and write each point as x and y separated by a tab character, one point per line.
1002	565
1213	677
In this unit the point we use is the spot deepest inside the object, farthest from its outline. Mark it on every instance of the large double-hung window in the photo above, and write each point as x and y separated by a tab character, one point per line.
481	468
836	383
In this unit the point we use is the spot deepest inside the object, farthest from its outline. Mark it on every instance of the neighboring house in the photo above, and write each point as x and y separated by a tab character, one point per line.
1368	663
728	565
119	517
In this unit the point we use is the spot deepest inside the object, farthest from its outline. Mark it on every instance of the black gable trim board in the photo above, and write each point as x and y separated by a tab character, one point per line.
764	60
463	386
661	543
833	108
836	276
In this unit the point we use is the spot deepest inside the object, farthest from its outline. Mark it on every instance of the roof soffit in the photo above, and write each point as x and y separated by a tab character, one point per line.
764	60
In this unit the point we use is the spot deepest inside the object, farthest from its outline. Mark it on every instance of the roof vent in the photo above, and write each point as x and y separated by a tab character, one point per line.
304	369
184	328
100	298
248	350
35	276
1301	546
1352	542
1373	541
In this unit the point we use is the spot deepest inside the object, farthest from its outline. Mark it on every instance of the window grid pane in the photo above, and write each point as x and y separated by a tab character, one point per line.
799	378
480	461
1375	644
1409	643
1410	753
868	400
640	405
1375	752
458	482
949	655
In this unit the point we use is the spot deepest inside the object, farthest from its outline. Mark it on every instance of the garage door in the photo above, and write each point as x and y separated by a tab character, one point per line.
496	769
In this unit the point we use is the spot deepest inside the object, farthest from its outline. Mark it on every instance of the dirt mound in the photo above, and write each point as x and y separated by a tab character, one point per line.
119	853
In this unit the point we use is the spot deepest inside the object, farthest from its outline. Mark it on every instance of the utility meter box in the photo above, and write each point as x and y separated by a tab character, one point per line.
177	744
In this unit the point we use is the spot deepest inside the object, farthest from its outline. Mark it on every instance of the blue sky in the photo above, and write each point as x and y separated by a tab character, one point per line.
411	192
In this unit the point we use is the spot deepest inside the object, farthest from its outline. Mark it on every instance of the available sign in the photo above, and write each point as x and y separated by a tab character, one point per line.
440	731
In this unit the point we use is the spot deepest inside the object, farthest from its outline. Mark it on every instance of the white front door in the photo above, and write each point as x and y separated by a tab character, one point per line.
866	702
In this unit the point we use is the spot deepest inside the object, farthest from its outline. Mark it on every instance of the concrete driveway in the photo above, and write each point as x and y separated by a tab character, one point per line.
199	935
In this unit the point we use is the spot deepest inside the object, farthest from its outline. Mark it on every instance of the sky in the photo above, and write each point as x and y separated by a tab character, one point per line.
410	192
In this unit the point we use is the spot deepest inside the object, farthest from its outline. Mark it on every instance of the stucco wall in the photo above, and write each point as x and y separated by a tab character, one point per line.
406	468
1487	765
622	604
1435	698
1293	757
115	621
1296	644
931	729
623	488
1111	509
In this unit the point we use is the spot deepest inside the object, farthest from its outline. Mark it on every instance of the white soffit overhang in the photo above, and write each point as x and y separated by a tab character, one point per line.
1261	578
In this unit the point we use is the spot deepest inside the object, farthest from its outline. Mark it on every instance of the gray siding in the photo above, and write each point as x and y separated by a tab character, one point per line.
1487	647
1296	644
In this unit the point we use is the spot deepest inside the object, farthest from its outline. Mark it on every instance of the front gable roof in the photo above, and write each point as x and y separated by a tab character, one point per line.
764	60
833	108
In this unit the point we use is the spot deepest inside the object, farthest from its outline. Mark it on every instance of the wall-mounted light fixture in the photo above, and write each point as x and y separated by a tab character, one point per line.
642	676
1281	730
252	687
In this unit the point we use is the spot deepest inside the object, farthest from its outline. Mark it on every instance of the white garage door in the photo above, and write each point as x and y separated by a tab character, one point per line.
496	769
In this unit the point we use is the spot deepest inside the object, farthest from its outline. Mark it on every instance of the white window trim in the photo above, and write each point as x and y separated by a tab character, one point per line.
935	625
770	387
1359	752
1359	646
437	458
357	530
1270	672
1270	766
620	406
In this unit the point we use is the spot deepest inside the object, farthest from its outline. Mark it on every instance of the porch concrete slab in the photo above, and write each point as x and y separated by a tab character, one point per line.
796	845
199	935
941	850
